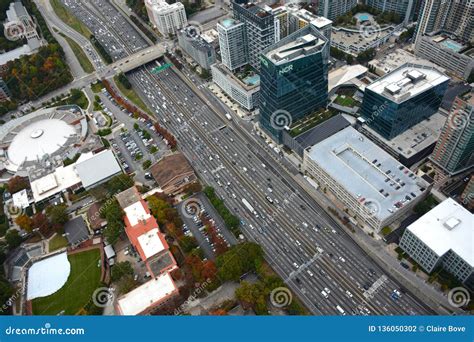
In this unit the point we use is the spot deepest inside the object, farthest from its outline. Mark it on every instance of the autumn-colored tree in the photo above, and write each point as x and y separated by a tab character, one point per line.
209	270
41	222
24	222
17	183
218	312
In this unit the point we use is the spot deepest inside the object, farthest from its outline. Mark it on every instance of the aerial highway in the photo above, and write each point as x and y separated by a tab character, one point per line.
308	249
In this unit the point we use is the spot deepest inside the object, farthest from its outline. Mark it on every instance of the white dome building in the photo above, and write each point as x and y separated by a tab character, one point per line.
45	136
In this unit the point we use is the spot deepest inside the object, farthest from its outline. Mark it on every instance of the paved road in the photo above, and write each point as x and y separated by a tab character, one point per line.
304	245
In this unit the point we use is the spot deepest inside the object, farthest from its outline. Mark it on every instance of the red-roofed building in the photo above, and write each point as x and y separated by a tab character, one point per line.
144	233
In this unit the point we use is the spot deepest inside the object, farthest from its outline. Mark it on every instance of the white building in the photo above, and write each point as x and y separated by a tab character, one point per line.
363	179
245	94
443	237
233	43
148	296
167	18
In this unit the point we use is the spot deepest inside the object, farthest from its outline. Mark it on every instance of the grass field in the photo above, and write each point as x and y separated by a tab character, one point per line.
77	292
80	55
57	242
70	20
132	96
345	101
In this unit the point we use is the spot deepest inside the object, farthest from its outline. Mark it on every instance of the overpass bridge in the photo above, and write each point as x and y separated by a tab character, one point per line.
134	61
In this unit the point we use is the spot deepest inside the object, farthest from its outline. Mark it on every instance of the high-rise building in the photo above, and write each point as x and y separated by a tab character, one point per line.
259	27
233	43
404	8
167	18
332	9
402	98
293	79
454	151
454	17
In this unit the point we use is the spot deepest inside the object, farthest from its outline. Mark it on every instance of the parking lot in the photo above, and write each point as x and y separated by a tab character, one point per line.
191	210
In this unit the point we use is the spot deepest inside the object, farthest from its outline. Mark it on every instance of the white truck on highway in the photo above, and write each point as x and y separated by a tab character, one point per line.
248	206
227	115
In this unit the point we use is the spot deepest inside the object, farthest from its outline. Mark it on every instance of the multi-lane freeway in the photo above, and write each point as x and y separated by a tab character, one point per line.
303	244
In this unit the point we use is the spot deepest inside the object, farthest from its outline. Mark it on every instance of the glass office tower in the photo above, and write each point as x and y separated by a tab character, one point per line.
403	98
293	79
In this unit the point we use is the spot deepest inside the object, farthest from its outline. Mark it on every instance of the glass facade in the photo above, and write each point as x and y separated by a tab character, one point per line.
390	118
293	89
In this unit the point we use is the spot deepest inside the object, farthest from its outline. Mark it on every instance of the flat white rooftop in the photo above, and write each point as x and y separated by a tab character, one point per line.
136	213
149	294
448	226
367	172
151	243
98	167
300	47
407	81
61	179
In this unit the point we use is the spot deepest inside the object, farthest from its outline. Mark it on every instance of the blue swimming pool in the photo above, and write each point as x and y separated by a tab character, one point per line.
452	45
252	80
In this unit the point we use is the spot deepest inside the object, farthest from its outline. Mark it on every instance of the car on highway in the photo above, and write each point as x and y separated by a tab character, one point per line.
269	199
296	265
327	290
325	294
349	294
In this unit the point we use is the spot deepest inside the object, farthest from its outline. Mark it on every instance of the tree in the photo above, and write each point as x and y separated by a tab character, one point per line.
113	213
187	243
238	260
24	222
17	183
13	238
6	292
120	270
41	222
57	214
119	183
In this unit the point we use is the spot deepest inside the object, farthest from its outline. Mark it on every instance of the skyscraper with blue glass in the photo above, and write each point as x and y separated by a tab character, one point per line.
403	98
293	79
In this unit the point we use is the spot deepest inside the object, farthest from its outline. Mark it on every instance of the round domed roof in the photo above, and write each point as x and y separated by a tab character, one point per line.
39	138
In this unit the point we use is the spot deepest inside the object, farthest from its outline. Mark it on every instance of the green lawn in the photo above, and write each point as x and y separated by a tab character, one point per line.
80	55
132	96
97	86
69	19
310	121
57	242
77	292
345	101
